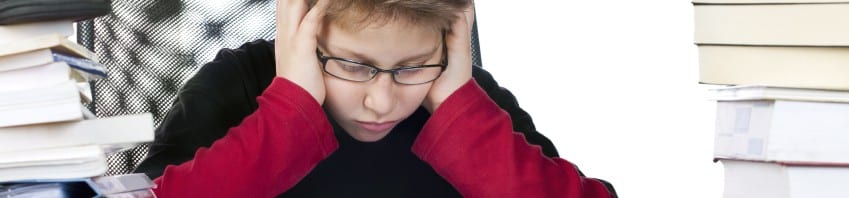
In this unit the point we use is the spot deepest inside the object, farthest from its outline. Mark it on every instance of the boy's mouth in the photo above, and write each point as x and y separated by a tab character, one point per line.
377	127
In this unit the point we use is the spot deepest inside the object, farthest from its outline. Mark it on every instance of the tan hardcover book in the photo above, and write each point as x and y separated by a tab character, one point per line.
779	24
796	67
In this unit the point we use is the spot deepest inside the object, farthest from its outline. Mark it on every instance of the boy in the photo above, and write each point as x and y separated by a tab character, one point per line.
342	115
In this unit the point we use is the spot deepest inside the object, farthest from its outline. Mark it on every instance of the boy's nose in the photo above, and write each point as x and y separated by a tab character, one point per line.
380	96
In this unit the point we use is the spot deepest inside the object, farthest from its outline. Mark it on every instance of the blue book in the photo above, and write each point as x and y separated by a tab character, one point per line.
85	65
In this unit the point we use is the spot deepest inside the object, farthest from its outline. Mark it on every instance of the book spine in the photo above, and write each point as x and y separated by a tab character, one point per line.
96	70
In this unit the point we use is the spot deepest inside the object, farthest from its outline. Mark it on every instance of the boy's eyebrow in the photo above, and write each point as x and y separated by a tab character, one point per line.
365	59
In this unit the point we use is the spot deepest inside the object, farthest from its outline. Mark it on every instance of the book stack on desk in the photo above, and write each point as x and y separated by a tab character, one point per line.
782	124
116	186
49	141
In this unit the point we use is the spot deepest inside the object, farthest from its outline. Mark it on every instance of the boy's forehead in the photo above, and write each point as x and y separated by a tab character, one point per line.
385	45
382	24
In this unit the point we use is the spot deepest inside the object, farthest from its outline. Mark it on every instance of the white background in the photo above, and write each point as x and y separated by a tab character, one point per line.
614	84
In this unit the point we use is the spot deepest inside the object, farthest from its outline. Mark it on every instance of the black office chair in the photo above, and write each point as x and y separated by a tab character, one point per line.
152	47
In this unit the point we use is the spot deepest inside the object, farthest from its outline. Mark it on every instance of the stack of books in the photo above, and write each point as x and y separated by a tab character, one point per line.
50	144
782	126
115	186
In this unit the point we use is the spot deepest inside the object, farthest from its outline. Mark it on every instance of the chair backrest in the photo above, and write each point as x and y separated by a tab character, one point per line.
152	47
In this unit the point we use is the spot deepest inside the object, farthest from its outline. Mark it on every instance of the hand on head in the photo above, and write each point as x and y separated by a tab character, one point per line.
296	40
459	70
298	27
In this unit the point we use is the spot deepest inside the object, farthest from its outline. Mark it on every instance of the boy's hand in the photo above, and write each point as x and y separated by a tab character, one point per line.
295	44
459	69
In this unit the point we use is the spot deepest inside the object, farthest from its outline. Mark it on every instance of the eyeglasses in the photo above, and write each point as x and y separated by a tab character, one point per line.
360	72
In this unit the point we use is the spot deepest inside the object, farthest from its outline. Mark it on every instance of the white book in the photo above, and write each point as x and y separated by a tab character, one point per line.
779	130
52	164
17	32
762	92
55	42
779	24
750	179
39	76
126	129
799	67
26	59
55	103
41	57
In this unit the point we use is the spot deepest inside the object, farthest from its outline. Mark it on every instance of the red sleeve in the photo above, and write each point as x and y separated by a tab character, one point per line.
470	142
268	153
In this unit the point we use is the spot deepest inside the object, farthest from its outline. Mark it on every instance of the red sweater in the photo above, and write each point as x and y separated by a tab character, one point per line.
469	141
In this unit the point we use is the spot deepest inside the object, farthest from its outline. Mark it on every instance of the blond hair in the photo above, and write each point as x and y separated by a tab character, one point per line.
356	14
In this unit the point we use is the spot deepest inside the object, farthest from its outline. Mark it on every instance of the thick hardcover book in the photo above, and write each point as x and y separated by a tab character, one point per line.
780	24
795	67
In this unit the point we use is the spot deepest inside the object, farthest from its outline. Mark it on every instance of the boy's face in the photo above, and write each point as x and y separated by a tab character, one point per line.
369	110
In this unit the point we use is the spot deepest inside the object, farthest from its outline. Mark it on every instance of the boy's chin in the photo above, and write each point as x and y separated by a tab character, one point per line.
363	136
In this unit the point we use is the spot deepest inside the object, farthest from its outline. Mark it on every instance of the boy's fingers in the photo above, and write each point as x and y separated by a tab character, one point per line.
289	15
459	44
470	15
312	22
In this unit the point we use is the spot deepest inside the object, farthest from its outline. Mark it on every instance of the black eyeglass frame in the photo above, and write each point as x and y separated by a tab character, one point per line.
442	65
